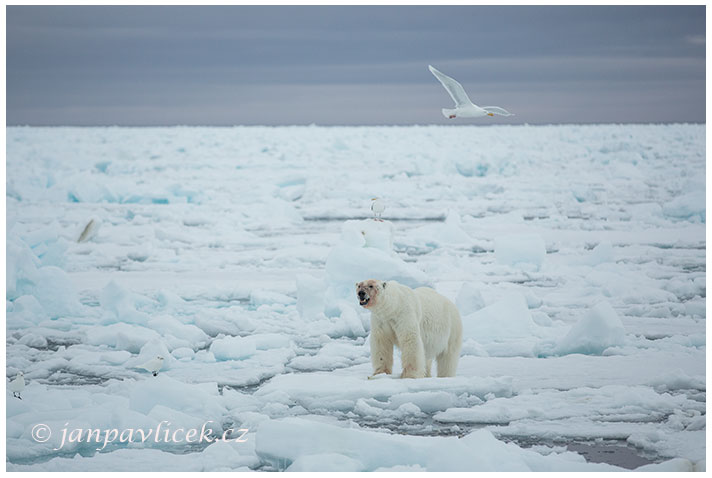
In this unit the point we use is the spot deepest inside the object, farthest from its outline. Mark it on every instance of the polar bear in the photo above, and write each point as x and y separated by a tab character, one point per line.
423	324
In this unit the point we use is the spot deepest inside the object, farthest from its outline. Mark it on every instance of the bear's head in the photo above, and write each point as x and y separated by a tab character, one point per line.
368	292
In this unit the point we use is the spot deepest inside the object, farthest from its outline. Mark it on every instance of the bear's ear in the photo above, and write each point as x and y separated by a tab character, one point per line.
384	284
357	284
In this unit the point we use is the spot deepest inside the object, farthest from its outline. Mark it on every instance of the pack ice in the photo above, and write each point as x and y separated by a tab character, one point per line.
575	254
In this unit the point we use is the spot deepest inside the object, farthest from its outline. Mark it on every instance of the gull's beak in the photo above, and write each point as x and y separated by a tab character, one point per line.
490	114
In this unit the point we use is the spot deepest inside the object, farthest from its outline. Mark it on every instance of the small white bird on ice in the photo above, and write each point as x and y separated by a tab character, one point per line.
464	108
17	385
153	365
377	206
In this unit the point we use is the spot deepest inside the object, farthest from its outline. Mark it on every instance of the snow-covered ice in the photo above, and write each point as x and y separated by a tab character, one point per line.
576	255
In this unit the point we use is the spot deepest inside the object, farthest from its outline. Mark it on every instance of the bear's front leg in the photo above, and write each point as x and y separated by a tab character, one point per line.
381	352
412	355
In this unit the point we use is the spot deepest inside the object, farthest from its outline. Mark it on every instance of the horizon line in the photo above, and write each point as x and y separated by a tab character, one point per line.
309	125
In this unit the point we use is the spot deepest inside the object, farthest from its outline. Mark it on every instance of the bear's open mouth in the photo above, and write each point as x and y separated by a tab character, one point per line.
364	301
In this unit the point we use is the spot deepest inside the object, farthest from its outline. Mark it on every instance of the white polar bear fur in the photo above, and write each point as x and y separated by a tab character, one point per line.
423	324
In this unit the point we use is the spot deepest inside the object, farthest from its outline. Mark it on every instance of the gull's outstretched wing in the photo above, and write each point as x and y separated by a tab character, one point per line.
457	92
497	110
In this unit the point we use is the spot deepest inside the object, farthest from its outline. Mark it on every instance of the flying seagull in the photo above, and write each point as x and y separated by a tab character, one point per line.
464	108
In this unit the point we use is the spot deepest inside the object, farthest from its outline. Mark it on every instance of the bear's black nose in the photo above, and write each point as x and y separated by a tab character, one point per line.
361	294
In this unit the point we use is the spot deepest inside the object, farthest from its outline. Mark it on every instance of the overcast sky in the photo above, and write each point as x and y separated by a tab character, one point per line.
352	65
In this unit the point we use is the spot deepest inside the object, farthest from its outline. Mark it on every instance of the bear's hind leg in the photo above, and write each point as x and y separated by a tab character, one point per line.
447	360
447	364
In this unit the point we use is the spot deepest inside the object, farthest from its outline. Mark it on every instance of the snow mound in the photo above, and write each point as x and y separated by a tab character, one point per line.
298	442
436	235
119	305
384	396
50	285
330	356
197	400
602	253
469	299
325	462
260	297
310	295
25	311
599	329
687	206
177	334
506	318
219	456
238	348
519	249
121	336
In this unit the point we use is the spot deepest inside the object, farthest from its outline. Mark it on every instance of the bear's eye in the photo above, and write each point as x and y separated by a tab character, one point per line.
370	287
